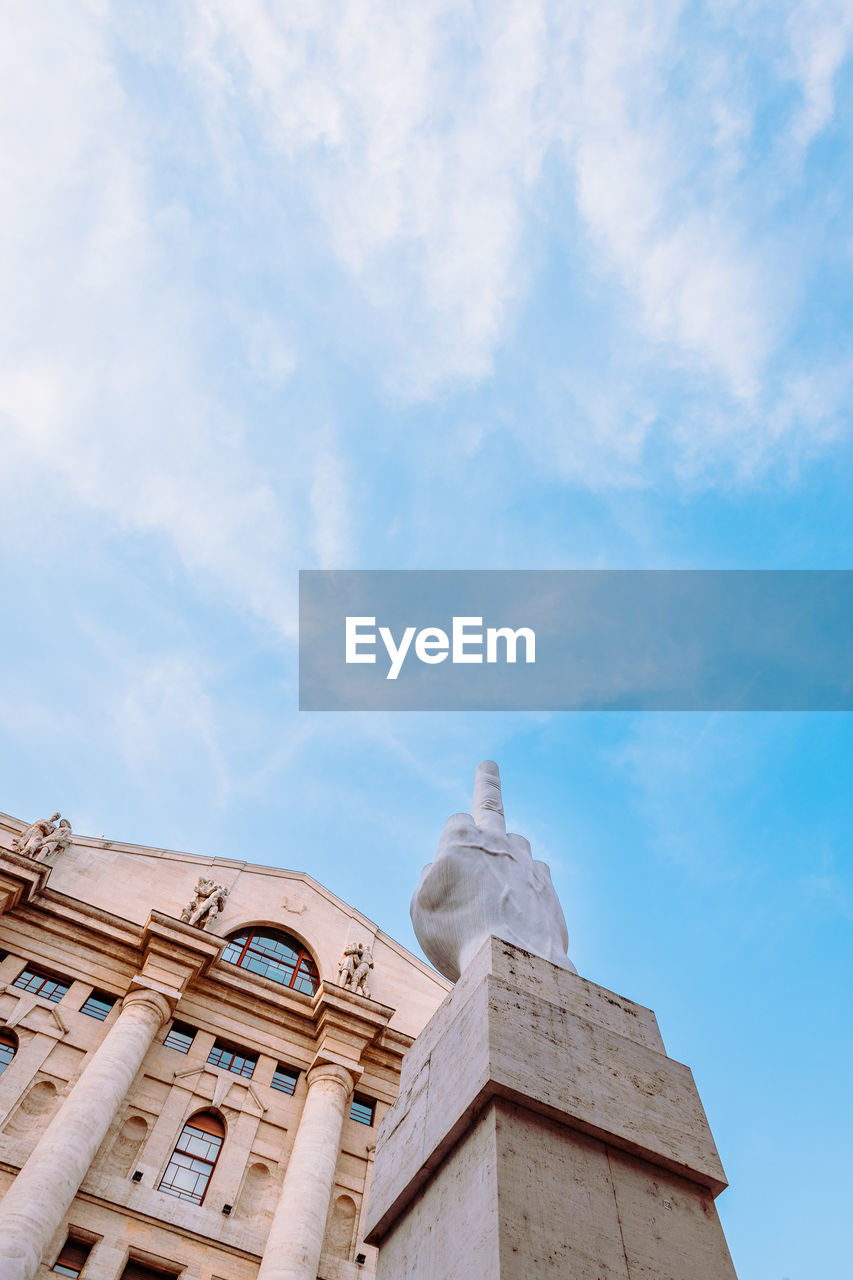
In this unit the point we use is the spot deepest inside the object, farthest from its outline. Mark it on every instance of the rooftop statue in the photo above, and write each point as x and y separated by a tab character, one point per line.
207	902
43	837
484	881
355	966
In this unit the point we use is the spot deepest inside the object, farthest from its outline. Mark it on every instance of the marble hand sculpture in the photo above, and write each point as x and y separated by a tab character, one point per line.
484	881
43	838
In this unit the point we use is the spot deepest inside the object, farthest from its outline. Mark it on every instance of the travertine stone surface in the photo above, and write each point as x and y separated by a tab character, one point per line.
35	1205
486	882
591	1148
296	1237
524	1198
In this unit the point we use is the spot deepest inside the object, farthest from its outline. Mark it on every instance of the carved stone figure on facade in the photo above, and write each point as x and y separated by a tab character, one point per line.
349	962
359	977
207	903
43	837
58	840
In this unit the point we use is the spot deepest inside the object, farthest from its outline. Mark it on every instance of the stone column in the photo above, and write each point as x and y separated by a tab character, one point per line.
35	1205
296	1237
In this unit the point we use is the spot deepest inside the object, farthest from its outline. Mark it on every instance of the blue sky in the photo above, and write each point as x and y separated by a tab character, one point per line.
517	285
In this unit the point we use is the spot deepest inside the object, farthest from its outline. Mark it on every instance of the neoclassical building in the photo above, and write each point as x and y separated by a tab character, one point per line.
194	1056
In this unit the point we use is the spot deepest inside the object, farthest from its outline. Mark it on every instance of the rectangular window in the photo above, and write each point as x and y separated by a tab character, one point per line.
143	1271
240	1061
363	1109
284	1078
180	1037
41	983
98	1005
73	1258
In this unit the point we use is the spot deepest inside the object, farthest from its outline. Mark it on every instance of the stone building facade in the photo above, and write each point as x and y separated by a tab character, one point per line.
195	1054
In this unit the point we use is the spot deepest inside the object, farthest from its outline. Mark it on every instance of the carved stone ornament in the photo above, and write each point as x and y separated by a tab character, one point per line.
43	837
356	963
485	881
207	902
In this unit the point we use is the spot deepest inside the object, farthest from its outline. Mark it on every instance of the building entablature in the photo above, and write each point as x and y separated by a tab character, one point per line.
112	887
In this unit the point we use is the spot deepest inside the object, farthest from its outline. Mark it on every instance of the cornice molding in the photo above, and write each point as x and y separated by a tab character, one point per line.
21	879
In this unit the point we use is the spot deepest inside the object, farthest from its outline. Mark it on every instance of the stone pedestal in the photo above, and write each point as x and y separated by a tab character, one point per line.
541	1131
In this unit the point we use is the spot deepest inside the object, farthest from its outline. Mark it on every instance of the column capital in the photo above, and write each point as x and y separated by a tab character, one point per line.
21	878
346	1024
174	954
144	995
331	1071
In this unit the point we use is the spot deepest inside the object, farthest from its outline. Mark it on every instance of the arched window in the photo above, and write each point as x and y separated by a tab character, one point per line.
274	955
8	1048
194	1158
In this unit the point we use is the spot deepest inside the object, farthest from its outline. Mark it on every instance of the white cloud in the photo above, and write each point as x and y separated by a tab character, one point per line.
652	212
820	33
417	136
104	397
417	131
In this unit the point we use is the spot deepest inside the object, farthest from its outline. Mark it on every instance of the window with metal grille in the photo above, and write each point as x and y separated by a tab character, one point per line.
72	1258
8	1048
284	1078
180	1037
362	1109
194	1158
40	983
274	955
240	1061
98	1005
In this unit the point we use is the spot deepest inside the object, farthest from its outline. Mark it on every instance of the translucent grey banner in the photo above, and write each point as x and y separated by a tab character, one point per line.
576	640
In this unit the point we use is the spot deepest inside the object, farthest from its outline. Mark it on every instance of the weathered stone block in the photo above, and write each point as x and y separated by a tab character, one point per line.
542	1130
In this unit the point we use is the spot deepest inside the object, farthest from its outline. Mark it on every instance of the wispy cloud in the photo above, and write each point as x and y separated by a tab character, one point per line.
820	34
105	387
417	132
395	183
